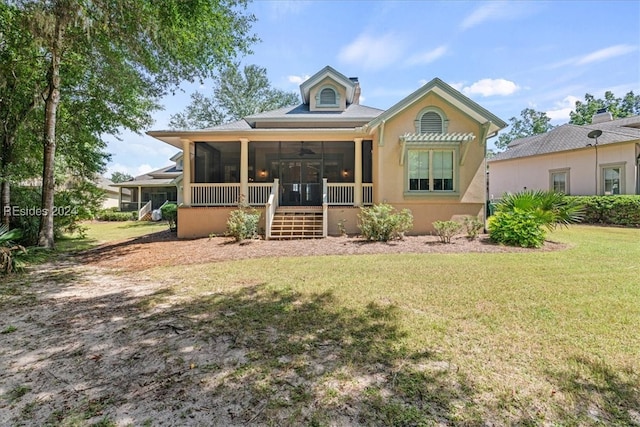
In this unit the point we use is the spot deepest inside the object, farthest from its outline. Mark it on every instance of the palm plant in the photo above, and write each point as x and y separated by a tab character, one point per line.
548	207
8	247
520	217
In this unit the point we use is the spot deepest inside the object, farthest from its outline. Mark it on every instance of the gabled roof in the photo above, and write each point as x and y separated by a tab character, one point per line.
437	86
572	137
327	71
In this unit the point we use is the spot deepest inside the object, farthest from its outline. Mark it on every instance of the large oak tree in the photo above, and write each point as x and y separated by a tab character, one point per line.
108	61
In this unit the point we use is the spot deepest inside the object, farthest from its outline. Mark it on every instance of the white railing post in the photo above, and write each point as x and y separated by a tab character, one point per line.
325	210
270	207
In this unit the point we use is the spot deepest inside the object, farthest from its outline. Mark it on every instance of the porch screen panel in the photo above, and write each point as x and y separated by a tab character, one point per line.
443	171
217	162
367	161
418	170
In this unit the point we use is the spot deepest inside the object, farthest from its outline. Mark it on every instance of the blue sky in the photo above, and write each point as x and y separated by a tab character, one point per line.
505	55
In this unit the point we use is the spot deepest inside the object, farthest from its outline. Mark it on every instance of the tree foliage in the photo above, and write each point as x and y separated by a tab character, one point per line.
120	177
619	108
236	94
104	64
530	123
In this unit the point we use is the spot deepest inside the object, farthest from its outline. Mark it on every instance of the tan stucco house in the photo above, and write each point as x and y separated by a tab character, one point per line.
311	166
601	158
150	191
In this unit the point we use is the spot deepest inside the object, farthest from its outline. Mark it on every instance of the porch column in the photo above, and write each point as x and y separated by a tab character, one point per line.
357	173
120	198
139	198
186	172
244	169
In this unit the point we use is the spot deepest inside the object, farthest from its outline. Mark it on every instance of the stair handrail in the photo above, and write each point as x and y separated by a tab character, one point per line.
144	210
270	207
325	204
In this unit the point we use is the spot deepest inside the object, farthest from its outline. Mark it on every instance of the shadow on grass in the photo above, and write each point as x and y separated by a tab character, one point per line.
600	394
252	357
123	247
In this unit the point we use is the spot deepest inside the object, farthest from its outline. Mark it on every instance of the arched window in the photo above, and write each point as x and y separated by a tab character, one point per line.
328	97
431	122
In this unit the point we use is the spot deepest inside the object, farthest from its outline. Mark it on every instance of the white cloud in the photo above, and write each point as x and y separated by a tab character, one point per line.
563	108
427	57
491	87
298	79
373	52
496	11
459	86
131	170
596	56
606	53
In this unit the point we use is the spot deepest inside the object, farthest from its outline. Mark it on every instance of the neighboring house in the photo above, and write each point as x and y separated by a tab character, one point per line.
567	160
112	193
150	191
330	155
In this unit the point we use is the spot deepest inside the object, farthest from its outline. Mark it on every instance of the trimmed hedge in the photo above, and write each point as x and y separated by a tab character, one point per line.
621	210
111	215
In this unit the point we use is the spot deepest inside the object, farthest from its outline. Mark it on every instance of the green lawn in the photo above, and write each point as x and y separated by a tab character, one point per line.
521	338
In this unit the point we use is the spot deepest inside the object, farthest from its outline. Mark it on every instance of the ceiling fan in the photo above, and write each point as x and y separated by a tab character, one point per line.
304	151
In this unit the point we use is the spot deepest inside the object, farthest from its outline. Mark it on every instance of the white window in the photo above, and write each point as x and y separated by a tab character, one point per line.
559	181
431	122
612	179
328	97
431	170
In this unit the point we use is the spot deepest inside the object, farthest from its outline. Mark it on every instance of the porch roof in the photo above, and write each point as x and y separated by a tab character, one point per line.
157	182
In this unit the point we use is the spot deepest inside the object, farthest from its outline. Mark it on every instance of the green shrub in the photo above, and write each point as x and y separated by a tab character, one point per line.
382	222
170	213
9	249
473	226
111	215
517	228
519	217
445	230
243	223
621	210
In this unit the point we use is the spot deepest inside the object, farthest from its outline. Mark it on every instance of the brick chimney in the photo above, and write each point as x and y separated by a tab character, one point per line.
601	116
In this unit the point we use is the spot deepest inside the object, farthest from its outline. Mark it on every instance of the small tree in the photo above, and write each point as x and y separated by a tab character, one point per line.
170	213
383	223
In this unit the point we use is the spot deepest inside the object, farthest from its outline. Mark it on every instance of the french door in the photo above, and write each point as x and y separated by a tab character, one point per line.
301	182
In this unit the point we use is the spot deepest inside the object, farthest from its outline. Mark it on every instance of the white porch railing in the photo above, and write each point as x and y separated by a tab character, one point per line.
367	194
259	193
339	193
271	206
215	194
144	210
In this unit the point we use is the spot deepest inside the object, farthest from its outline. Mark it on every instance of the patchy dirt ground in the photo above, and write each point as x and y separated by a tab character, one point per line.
84	345
163	248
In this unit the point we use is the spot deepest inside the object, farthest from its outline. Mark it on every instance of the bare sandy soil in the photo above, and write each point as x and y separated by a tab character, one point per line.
83	341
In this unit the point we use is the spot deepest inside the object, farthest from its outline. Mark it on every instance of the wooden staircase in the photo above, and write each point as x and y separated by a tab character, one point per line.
297	222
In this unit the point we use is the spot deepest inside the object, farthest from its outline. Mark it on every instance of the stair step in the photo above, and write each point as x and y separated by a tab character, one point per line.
297	223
